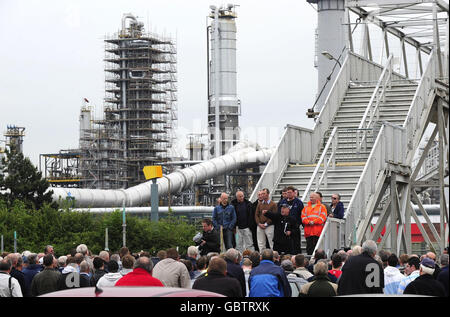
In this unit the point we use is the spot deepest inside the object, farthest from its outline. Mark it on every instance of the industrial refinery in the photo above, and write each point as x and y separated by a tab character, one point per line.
379	117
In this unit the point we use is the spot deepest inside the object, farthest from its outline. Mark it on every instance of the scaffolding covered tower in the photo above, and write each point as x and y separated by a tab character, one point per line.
140	110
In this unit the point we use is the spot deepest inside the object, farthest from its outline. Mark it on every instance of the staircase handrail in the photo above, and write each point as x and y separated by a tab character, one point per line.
326	241
374	103
284	153
387	148
332	141
420	103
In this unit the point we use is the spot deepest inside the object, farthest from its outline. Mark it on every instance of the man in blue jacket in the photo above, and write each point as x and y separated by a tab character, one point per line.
268	279
224	215
30	271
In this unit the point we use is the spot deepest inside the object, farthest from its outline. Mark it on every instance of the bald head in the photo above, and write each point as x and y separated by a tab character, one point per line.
224	199
240	196
314	198
144	262
431	255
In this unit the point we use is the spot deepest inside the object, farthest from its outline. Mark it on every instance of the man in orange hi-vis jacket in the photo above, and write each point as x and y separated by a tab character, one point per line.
314	215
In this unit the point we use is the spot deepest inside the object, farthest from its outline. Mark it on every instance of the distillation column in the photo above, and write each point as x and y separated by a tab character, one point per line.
331	38
223	104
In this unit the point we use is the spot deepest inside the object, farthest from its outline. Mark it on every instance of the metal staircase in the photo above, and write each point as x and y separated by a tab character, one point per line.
372	119
349	161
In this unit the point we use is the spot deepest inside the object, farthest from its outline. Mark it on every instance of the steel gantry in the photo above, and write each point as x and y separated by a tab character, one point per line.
366	142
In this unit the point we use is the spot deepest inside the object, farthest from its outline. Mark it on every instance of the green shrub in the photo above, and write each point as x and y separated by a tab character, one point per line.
65	229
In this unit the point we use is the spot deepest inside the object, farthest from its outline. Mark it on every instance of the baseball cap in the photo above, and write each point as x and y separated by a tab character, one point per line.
427	262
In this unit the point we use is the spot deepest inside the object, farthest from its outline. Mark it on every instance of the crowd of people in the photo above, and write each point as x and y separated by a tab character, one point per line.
265	260
266	224
359	270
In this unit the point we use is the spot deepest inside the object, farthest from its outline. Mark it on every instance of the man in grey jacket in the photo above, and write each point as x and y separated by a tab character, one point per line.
47	280
171	272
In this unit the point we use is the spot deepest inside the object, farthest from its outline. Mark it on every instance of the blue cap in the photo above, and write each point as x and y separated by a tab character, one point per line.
427	262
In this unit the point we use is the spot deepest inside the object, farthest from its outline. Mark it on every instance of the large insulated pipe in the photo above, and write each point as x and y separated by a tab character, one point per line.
179	180
433	211
147	210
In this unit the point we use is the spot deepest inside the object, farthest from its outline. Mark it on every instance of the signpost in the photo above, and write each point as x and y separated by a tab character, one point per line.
153	173
124	226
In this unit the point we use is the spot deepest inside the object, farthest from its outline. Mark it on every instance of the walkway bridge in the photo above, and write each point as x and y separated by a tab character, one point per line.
365	139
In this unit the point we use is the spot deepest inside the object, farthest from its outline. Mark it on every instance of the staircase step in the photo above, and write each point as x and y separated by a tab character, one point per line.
410	90
338	183
366	98
334	174
388	102
405	91
345	196
394	85
345	167
361	110
354	119
352	125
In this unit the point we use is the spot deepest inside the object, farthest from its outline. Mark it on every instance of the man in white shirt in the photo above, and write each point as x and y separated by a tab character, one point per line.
9	286
412	272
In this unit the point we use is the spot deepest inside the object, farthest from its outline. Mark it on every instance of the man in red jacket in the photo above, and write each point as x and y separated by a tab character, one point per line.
314	216
141	275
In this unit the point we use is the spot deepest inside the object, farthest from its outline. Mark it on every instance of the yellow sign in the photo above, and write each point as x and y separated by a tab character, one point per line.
151	172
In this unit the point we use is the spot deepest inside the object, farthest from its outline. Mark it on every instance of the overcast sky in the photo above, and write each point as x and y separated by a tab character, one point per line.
52	54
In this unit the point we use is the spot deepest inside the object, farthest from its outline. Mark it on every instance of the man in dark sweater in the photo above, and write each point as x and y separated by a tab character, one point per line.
232	257
210	241
362	274
295	211
284	225
215	280
243	209
16	272
99	270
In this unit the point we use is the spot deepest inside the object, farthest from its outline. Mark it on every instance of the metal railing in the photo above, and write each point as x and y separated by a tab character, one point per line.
332	236
431	163
421	105
324	160
295	146
389	147
378	97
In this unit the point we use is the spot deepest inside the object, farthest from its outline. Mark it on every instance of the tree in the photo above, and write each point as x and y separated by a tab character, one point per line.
20	180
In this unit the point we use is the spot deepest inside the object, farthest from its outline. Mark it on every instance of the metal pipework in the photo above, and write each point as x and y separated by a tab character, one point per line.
179	180
217	138
125	17
147	210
